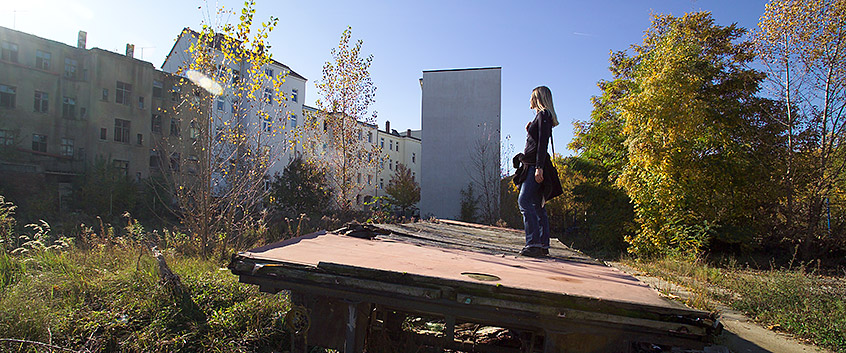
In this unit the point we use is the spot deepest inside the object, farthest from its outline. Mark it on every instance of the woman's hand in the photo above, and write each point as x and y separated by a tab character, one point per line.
539	175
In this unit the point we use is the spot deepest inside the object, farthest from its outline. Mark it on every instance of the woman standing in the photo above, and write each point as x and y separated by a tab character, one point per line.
534	159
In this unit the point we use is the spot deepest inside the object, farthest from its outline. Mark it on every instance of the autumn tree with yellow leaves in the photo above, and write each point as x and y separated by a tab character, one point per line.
802	44
343	125
229	115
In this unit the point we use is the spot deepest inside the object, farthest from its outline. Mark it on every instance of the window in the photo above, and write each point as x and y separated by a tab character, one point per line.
390	164
67	147
266	124
359	178
122	130
294	94
155	161
220	103
382	142
236	75
174	93
269	72
82	112
140	102
268	95
68	108
194	131
102	133
397	166
381	183
122	166
157	89
293	120
6	138
413	157
140	139
370	137
42	59
7	96
391	145
413	175
369	180
122	92
360	135
39	143
175	128
234	105
156	123
105	94
41	105
9	52
397	146
70	68
358	199
175	161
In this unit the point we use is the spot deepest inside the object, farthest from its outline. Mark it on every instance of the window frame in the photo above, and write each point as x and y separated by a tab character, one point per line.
9	95
66	148
39	143
7	53
41	102
122	130
123	93
43	59
71	68
68	108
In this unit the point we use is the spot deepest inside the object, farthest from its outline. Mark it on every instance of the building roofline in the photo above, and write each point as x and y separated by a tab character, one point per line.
466	69
197	34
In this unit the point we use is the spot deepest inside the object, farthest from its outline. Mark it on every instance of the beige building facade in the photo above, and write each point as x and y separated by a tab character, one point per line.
65	108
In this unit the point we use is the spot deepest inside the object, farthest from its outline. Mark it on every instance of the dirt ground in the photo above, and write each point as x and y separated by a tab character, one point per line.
740	333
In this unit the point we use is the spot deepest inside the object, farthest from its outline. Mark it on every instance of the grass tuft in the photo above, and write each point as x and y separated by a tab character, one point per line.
806	305
108	299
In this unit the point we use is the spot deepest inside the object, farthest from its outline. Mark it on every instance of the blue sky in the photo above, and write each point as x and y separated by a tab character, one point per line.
560	44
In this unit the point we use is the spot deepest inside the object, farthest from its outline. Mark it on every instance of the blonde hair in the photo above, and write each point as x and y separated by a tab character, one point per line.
542	100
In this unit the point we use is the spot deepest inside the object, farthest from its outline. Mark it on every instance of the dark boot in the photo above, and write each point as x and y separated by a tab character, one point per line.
532	252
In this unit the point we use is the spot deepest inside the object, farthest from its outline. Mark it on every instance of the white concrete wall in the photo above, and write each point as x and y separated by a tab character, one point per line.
459	108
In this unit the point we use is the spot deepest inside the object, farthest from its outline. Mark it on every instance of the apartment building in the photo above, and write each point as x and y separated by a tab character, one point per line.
283	107
393	148
460	117
64	107
397	148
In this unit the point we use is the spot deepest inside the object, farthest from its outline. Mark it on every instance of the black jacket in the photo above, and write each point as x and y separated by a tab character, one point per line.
537	139
551	186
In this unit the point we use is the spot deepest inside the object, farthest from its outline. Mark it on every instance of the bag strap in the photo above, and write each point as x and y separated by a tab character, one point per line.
551	140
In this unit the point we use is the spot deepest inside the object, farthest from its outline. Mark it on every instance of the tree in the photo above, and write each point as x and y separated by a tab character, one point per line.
346	91
217	171
484	171
469	204
681	132
301	189
802	43
104	191
688	123
403	191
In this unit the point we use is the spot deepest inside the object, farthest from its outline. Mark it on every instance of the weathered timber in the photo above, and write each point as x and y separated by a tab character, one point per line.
469	273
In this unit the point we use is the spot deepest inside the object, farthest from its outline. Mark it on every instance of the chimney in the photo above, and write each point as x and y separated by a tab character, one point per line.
80	39
387	126
130	50
408	132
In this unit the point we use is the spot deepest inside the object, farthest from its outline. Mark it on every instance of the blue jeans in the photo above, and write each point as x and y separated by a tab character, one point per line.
535	221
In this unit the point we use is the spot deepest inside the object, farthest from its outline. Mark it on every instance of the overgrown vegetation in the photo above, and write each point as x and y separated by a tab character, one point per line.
799	300
102	292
